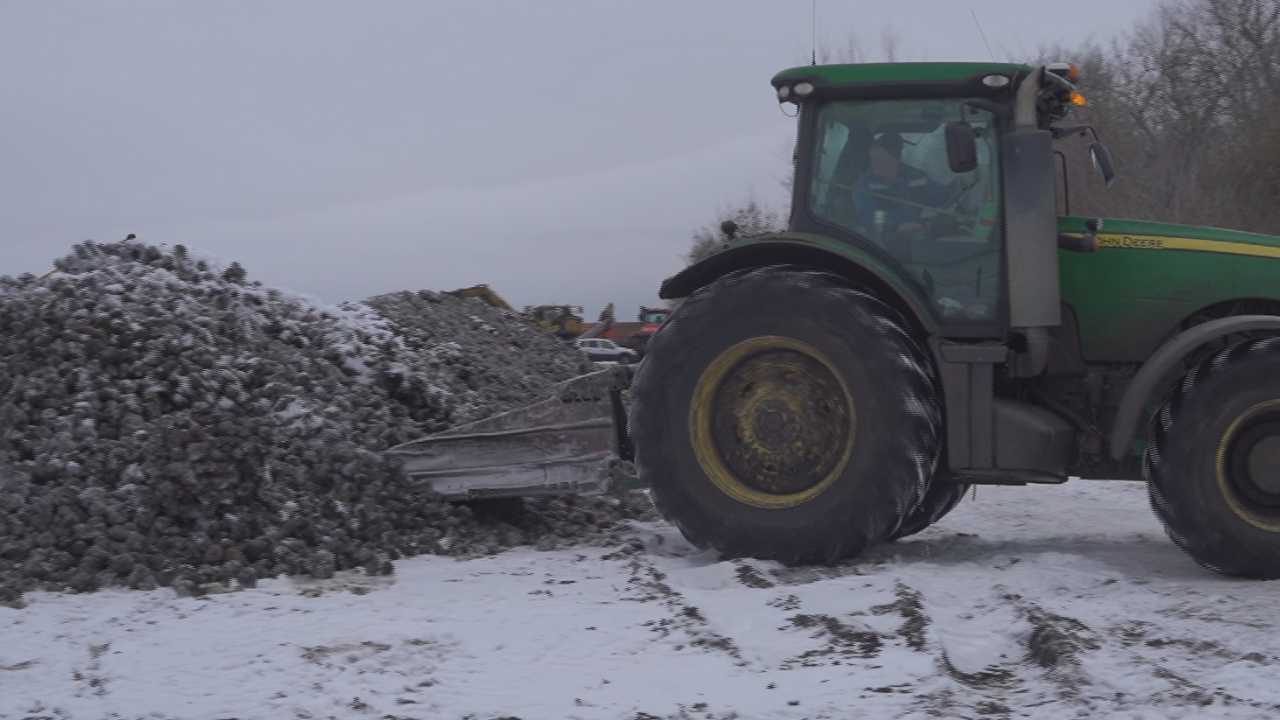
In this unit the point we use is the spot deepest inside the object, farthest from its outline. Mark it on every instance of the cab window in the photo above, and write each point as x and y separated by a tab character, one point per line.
881	173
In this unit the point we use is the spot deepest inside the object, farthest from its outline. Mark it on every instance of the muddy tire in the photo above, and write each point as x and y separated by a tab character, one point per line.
941	499
780	414
1212	461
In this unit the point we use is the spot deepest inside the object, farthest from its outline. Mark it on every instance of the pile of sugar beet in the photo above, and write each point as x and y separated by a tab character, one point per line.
164	421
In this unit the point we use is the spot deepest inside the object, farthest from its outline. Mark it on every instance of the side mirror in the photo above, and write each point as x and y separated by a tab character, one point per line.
962	147
1102	161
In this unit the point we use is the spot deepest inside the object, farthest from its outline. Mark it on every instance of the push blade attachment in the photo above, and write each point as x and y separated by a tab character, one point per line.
567	443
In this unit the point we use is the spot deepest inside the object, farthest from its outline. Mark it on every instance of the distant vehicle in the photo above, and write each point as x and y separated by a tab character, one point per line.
563	320
606	350
653	316
484	293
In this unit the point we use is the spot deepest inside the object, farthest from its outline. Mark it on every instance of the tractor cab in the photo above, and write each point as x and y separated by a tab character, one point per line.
917	164
878	174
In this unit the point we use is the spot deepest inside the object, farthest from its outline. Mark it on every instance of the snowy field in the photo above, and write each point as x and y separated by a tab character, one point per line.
1040	602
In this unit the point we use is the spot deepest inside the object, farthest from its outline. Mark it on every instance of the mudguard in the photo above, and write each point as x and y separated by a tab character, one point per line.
811	251
1163	361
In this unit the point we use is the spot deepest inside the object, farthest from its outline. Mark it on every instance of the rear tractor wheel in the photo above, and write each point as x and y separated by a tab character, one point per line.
1213	461
782	415
941	499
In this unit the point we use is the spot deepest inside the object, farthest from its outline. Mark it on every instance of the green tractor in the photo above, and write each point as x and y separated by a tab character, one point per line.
928	322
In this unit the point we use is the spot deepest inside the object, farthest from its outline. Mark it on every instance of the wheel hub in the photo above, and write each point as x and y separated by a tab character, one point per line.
781	422
1254	465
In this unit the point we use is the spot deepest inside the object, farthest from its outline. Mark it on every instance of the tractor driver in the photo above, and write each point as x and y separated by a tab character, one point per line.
888	182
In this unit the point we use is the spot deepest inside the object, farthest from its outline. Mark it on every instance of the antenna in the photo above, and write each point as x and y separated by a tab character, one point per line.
813	14
984	35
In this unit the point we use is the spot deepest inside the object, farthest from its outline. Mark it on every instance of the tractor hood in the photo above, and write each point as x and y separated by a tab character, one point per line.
1148	278
1143	235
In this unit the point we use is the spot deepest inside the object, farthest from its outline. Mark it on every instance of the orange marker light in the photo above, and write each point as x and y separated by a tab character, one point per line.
1077	99
1074	73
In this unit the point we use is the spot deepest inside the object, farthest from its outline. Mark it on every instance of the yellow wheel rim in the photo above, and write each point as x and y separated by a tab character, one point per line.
1223	463
772	422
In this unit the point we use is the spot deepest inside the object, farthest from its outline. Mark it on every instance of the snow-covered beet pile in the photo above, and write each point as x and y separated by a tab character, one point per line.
492	363
165	421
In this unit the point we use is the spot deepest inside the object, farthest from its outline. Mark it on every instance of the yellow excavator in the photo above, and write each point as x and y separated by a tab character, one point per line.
484	293
563	320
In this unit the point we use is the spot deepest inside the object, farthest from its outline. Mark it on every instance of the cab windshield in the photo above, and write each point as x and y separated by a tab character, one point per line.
881	172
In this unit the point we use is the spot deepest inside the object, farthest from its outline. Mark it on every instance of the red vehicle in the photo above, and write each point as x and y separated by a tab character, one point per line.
652	319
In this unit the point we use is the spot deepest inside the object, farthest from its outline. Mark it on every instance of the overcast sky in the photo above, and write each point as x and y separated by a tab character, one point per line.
560	151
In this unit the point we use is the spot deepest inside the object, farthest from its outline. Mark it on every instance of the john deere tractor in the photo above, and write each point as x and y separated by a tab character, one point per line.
932	319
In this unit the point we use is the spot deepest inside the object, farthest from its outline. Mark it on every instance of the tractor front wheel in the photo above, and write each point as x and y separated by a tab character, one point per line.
781	414
1213	461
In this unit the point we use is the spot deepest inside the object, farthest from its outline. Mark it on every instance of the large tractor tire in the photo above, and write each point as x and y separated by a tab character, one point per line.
941	499
1213	461
780	414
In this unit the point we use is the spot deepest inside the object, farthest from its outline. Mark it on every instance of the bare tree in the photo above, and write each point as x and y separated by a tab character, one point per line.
754	217
1189	103
750	217
890	43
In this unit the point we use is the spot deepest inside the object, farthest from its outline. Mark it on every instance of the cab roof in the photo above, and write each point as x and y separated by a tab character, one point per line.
856	73
919	79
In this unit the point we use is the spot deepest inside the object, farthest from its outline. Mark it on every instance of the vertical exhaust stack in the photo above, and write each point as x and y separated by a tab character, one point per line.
1031	232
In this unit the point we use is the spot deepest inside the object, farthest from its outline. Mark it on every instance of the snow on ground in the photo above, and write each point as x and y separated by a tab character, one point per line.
1040	602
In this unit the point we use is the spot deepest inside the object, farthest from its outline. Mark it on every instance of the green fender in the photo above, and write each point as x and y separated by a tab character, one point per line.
1164	361
814	251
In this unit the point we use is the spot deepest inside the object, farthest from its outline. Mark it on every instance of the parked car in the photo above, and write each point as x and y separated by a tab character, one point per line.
606	350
